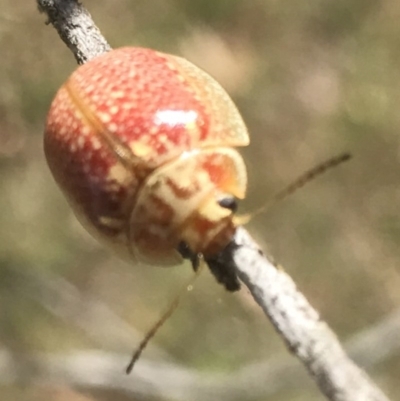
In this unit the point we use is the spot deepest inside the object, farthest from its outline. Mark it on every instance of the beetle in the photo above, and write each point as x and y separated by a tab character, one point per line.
142	144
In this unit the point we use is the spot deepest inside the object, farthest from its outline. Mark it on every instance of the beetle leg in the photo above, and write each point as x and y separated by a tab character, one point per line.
187	253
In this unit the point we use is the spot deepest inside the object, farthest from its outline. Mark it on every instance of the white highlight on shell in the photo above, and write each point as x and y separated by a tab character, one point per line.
175	117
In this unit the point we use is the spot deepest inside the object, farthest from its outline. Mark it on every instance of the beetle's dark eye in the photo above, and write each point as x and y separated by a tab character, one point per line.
228	202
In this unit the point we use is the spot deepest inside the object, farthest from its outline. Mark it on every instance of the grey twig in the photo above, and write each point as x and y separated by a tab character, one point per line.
309	338
75	27
306	335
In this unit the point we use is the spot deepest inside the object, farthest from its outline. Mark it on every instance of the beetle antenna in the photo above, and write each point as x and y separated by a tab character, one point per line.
308	176
164	317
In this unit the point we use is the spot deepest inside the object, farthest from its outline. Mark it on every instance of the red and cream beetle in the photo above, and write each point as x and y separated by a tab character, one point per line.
142	145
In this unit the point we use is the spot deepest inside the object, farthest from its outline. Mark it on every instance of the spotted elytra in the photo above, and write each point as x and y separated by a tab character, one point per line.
142	145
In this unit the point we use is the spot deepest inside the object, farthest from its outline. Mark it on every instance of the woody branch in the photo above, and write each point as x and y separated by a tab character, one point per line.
298	323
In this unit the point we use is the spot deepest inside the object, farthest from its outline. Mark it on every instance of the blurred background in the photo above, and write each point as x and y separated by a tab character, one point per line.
311	78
